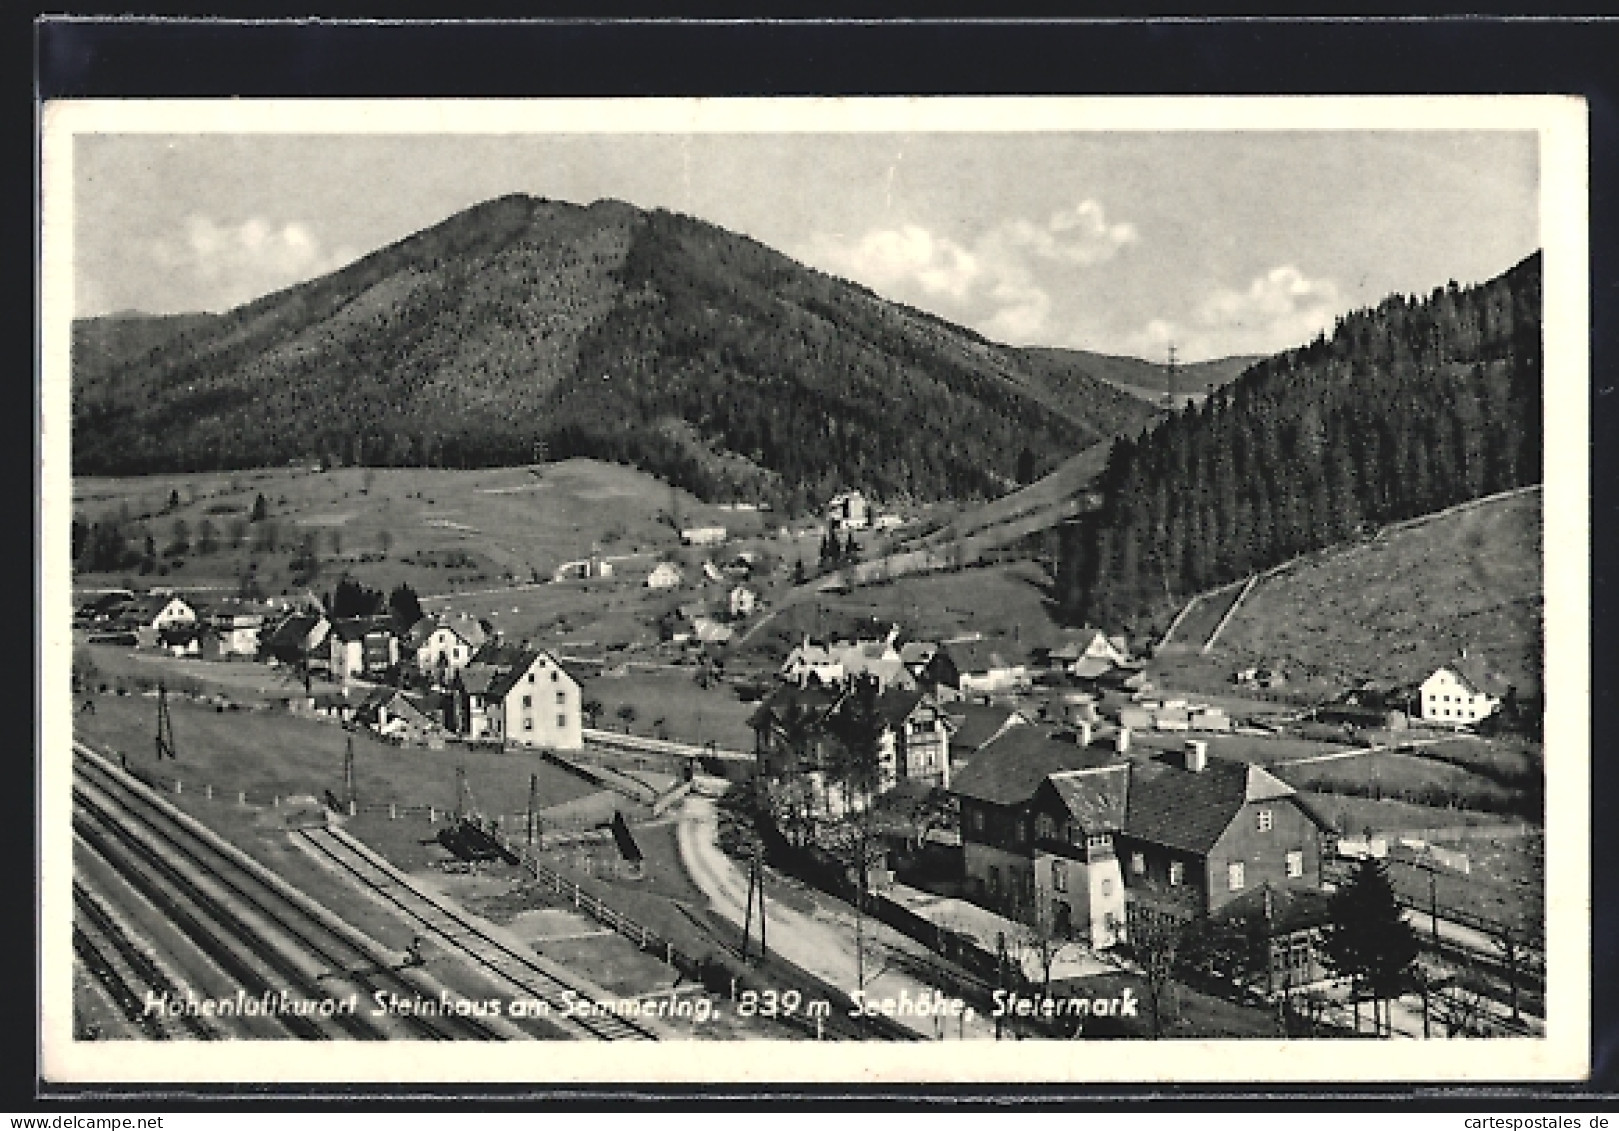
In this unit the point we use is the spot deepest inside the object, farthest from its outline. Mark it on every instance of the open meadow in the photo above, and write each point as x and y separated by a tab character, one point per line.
441	531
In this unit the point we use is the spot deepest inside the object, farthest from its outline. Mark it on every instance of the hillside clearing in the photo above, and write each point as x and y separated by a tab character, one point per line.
1394	608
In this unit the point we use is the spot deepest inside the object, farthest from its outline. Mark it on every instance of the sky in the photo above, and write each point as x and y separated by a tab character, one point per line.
1120	242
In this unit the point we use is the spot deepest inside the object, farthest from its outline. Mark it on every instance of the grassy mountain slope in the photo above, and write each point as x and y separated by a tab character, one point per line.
643	337
1395	608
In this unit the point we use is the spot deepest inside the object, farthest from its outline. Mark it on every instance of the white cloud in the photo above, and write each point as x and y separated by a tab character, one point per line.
1278	310
990	285
225	265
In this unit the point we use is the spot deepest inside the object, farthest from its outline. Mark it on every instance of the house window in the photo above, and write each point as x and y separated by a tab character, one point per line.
1266	820
528	700
562	698
562	721
1295	865
528	724
1020	831
1059	875
978	820
1107	887
1044	827
1138	863
553	677
1235	876
994	881
531	677
1177	873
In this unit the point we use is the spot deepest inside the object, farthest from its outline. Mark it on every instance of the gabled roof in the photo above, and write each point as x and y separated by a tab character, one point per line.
917	651
895	706
498	654
502	685
477	678
1475	675
977	723
1179	808
350	629
1009	769
1089	667
817	701
977	656
292	632
1096	799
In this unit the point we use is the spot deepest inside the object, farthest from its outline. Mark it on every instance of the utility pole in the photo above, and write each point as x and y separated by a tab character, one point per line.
165	726
533	791
348	775
1169	389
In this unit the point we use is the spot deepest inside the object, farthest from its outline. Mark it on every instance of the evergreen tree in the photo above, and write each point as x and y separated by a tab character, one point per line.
405	606
1368	938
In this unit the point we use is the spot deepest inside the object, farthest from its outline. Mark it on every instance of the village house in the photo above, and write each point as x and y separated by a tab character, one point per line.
932	668
849	510
394	714
742	602
158	611
800	747
985	670
1460	693
974	725
238	626
810	663
665	575
702	536
362	647
443	646
539	704
1088	654
1061	832
297	639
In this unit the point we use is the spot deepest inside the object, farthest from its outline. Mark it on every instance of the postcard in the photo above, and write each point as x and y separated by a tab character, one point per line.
1095	588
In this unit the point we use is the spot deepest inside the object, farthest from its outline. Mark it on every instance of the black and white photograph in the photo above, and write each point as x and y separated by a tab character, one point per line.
871	574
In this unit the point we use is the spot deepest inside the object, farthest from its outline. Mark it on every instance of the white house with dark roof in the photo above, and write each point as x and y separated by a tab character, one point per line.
540	703
665	575
1461	692
443	646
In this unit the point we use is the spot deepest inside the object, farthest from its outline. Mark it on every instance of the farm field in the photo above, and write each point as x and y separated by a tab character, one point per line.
441	531
671	702
1405	777
265	754
1394	608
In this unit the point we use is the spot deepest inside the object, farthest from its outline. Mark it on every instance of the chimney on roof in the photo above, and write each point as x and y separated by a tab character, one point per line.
1197	755
1084	737
1121	741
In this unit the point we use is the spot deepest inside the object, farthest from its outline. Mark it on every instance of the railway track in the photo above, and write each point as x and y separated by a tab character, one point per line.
126	973
570	1003
269	940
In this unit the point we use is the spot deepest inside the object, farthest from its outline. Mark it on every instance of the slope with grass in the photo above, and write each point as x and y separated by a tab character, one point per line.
1393	608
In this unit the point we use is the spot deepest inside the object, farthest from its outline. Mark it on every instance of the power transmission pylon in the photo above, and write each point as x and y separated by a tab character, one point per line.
165	727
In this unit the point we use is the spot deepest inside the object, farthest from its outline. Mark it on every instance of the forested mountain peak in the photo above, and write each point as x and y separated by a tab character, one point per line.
523	325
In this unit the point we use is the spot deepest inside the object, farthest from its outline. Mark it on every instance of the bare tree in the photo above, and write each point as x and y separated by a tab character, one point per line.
1154	941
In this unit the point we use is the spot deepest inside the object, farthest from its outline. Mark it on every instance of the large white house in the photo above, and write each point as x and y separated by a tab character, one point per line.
540	704
1458	693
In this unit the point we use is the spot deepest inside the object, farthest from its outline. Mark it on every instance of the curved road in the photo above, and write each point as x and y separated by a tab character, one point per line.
823	942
